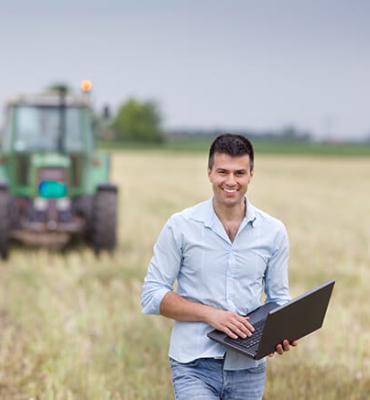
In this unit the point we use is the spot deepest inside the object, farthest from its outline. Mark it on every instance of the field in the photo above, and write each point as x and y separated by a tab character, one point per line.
279	146
71	325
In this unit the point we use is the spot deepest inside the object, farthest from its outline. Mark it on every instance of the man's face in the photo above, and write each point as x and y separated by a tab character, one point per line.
230	177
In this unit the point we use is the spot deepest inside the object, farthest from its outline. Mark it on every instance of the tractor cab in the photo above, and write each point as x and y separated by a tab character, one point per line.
47	132
50	172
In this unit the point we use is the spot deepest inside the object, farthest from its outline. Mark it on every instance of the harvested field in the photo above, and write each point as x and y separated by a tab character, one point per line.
71	324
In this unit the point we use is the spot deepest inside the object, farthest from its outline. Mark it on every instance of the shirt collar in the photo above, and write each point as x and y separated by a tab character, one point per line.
251	213
207	215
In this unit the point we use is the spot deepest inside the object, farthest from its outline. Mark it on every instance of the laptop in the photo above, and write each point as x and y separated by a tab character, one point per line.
274	323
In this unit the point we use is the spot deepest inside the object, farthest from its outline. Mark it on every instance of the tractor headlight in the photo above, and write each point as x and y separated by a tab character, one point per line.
63	204
40	204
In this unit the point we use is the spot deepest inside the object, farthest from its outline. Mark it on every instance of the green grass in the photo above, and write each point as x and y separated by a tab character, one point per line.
261	147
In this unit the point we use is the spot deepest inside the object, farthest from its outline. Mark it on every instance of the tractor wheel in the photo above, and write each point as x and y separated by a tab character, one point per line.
104	220
5	223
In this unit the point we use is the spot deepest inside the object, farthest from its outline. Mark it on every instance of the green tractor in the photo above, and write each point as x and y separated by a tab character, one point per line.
54	185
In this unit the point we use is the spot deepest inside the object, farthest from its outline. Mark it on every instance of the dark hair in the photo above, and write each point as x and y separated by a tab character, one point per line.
233	145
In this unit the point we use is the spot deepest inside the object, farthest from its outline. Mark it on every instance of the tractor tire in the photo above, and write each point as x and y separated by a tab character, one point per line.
5	223
104	220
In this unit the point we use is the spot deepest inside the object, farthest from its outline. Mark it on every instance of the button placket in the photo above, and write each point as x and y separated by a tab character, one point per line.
230	280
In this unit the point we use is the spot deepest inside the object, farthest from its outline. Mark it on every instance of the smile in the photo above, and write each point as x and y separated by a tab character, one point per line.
229	190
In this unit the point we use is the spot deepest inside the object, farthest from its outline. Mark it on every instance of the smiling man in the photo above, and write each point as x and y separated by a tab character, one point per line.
223	253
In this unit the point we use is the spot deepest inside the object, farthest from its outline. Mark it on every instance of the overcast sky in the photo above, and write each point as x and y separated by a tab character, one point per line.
211	63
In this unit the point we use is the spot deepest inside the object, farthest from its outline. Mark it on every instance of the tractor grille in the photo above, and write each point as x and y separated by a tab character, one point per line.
53	174
22	168
76	163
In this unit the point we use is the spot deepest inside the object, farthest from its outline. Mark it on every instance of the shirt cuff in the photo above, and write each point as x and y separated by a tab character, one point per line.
152	306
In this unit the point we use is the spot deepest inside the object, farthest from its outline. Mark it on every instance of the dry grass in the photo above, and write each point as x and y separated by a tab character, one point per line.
71	326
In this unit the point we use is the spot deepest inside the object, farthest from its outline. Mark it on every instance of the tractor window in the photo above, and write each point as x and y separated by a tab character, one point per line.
39	128
74	140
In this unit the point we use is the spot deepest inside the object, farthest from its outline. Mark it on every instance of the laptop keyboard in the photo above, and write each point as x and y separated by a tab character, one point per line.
251	341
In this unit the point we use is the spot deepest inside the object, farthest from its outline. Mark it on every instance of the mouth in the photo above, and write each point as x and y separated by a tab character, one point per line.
229	190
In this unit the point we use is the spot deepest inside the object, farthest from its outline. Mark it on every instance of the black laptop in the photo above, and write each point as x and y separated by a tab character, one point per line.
274	323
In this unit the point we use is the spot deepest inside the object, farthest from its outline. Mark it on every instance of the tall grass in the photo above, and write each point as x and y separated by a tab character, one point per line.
71	325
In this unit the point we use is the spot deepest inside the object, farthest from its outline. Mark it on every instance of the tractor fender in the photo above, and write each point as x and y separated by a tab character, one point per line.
4	178
4	187
107	187
97	174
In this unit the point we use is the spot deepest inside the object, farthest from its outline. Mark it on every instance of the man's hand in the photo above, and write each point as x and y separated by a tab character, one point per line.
230	323
283	347
176	307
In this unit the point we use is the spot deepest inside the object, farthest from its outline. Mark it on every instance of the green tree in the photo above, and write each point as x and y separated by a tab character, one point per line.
138	122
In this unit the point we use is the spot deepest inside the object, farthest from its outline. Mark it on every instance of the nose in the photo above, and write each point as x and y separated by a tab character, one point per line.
230	181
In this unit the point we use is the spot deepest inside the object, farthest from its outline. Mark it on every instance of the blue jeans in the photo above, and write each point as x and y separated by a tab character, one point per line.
205	379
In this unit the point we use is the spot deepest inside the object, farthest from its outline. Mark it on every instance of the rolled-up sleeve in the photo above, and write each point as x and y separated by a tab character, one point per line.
163	269
276	277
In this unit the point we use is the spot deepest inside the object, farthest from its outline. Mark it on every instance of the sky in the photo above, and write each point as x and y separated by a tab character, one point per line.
225	64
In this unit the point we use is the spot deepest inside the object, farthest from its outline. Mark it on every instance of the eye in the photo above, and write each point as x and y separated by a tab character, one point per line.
240	173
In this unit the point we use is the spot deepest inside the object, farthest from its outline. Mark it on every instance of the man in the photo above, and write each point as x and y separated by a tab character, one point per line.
223	253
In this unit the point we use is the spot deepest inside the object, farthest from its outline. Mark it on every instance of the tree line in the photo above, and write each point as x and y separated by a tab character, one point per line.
135	120
141	121
138	121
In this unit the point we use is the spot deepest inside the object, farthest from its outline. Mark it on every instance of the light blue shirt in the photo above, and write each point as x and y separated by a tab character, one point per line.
194	249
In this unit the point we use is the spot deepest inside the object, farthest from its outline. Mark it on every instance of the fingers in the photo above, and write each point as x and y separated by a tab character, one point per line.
237	326
238	329
279	349
246	323
285	346
230	333
243	326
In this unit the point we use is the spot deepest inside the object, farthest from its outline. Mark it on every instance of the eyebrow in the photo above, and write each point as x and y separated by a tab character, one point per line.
228	170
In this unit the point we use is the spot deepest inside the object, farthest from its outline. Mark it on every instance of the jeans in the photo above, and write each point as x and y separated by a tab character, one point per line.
205	379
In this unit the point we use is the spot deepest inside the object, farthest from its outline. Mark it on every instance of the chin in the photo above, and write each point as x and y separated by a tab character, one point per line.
230	202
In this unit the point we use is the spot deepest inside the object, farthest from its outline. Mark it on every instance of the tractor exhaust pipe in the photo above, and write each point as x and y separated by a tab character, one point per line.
62	92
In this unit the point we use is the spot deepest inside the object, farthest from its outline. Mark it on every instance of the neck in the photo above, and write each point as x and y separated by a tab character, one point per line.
234	213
